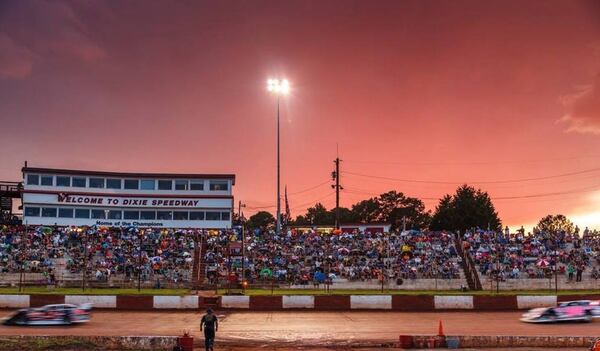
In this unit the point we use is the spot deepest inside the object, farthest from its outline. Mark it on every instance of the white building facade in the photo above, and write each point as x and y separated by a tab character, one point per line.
73	197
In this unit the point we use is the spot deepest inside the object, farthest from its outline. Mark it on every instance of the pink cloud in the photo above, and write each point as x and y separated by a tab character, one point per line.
583	109
15	61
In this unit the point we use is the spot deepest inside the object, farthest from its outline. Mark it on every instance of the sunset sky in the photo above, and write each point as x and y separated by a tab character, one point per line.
450	92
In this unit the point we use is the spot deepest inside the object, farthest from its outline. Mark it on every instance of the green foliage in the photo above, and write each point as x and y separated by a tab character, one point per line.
391	207
394	208
467	208
262	220
555	224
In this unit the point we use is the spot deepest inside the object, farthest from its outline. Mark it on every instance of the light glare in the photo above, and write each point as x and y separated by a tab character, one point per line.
278	86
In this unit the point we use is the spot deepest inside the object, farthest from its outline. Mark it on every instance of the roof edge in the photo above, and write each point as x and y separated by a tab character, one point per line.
127	174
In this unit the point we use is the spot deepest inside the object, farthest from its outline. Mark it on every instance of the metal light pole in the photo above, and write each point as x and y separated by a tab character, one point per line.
279	87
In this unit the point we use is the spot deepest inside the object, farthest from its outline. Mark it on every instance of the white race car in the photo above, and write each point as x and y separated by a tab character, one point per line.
572	311
60	314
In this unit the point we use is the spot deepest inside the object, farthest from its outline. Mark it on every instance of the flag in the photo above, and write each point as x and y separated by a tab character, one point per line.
288	216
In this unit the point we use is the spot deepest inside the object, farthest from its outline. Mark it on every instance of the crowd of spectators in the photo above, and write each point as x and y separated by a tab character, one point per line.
308	256
158	254
505	255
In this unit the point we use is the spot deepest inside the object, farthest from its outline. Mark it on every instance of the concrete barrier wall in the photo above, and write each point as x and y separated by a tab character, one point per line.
413	303
318	302
298	301
14	301
505	341
41	300
176	302
266	303
453	302
135	302
371	302
96	301
526	302
235	302
332	303
495	303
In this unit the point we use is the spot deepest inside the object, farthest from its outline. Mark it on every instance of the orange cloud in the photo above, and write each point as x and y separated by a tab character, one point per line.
583	109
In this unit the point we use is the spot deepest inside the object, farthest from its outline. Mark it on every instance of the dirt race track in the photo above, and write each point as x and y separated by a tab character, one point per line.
310	327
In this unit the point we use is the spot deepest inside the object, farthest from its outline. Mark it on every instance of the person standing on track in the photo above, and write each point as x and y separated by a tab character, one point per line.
211	325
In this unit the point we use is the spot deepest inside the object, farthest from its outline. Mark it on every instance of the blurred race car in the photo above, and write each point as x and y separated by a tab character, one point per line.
592	305
572	311
61	314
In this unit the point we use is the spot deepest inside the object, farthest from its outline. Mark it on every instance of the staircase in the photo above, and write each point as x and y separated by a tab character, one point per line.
468	265
199	269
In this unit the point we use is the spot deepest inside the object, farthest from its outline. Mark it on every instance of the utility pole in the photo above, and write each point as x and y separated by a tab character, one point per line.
241	219
335	175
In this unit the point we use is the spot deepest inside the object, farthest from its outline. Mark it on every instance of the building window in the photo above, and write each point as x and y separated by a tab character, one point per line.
98	214
132	184
196	185
196	216
182	185
65	212
219	185
48	212
82	213
164	215
147	184
225	216
32	211
63	181
147	215
47	180
78	182
33	179
131	214
115	214
213	216
165	184
180	215
96	182
113	183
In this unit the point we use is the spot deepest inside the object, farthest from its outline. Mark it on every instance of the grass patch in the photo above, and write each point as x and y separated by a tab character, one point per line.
91	291
278	292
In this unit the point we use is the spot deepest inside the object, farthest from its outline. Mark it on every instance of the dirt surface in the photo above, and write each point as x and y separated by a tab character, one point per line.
310	328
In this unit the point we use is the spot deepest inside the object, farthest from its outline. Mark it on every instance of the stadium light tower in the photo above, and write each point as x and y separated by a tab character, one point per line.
279	88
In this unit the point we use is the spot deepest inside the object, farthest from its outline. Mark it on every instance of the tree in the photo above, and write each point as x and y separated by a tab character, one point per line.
554	224
467	208
393	207
262	220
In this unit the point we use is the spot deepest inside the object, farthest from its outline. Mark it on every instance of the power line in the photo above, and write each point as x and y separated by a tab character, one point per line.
312	202
309	189
473	163
475	182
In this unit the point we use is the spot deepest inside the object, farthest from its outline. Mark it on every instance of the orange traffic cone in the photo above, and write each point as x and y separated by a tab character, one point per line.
440	329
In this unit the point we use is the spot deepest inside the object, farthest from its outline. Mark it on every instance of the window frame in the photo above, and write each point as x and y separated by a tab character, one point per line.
82	209
147	180
218	182
97	187
74	179
63	177
36	176
106	181
159	181
49	208
66	209
46	176
137	181
38	211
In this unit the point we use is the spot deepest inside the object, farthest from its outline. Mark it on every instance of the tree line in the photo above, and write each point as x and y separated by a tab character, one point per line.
467	208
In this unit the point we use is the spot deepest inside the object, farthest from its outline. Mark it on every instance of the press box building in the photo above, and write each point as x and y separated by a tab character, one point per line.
67	197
